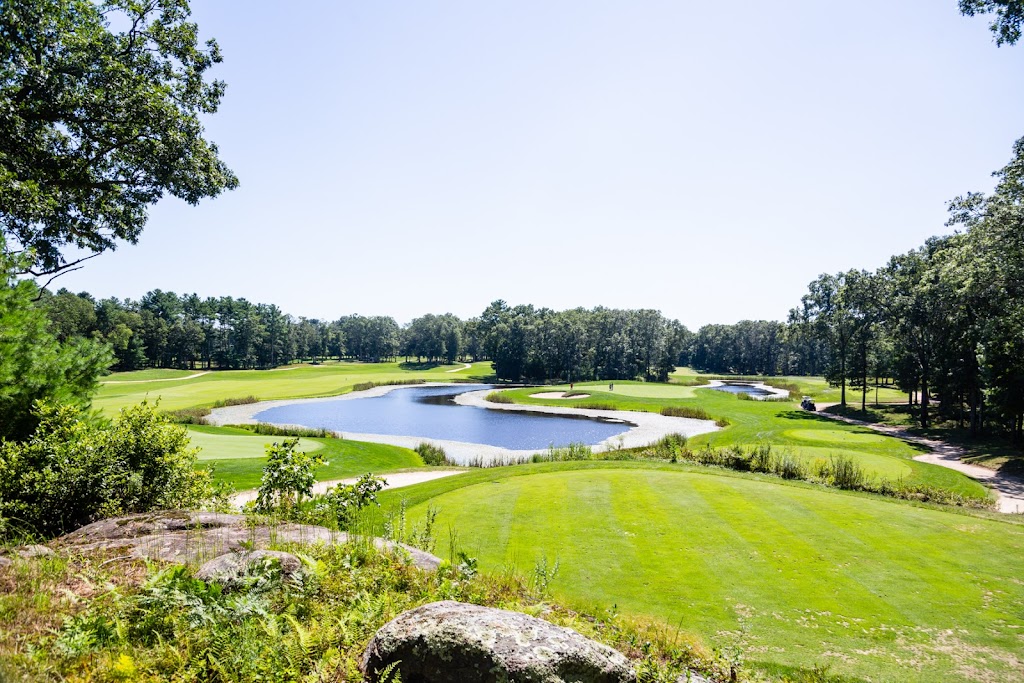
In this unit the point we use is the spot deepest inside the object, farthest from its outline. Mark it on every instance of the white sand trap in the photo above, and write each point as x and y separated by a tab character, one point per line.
558	394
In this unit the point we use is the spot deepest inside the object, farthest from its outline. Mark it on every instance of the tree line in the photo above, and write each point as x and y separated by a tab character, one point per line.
167	330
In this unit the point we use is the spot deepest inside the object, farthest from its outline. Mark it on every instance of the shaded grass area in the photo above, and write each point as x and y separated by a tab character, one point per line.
785	426
789	573
300	381
238	457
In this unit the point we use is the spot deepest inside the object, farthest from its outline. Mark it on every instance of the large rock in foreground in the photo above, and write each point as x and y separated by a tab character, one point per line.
175	536
453	641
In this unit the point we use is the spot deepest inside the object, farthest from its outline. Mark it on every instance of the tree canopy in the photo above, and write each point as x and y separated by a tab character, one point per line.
97	124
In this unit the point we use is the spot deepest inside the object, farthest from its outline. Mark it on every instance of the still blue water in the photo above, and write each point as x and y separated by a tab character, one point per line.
429	412
742	389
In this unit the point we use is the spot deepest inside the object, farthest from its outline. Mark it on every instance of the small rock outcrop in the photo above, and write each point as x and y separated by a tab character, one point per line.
195	537
231	569
454	641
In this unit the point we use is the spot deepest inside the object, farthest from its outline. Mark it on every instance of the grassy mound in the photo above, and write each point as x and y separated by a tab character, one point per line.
790	574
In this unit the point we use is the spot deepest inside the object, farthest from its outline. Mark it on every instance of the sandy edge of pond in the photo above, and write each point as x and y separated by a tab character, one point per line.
645	428
395	480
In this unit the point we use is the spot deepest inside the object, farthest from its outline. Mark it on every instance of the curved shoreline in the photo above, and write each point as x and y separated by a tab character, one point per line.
645	428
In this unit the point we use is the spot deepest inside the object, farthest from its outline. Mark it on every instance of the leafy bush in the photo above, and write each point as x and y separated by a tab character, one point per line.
288	476
498	397
433	455
341	504
74	471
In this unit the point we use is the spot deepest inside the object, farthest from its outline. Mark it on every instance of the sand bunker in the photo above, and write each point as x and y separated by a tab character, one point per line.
558	394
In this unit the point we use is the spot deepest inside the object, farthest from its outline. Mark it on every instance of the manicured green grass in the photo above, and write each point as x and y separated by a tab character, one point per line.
792	574
237	457
222	446
300	381
784	426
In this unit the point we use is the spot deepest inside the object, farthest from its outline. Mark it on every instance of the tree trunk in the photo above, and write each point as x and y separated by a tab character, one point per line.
924	402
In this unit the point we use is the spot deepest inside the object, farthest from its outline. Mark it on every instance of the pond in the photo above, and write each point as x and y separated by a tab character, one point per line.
742	389
430	412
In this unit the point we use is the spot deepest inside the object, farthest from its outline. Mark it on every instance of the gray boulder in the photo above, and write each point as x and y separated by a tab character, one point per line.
195	537
29	551
453	641
231	569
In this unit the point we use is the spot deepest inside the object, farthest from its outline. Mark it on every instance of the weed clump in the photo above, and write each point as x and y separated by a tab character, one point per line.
433	455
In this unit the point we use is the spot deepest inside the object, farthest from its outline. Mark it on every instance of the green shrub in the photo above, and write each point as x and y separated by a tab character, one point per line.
498	397
842	472
573	451
685	411
265	429
288	476
239	401
74	470
188	416
340	505
433	455
594	405
363	386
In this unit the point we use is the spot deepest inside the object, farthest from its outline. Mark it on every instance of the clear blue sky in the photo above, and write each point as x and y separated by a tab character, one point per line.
707	159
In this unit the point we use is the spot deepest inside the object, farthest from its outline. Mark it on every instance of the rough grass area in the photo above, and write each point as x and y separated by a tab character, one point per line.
105	618
238	456
788	574
298	381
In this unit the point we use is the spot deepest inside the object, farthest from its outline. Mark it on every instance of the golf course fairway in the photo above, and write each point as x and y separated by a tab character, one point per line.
788	575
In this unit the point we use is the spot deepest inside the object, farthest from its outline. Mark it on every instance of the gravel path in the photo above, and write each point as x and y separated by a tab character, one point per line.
645	428
391	481
466	366
1009	489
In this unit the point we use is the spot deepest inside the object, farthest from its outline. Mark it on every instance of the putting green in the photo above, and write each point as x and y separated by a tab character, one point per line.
793	575
636	389
230	446
839	438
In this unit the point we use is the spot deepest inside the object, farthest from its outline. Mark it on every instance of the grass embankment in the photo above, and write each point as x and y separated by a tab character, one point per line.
238	456
792	575
292	381
806	436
